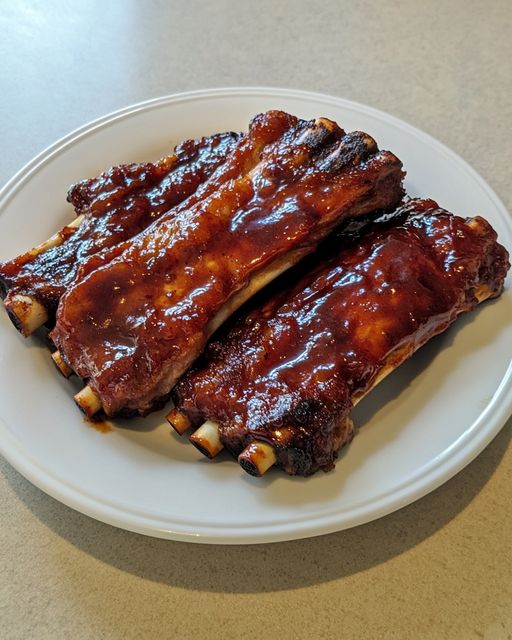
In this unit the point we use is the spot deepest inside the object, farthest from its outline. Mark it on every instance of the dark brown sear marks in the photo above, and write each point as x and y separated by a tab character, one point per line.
131	327
287	374
117	205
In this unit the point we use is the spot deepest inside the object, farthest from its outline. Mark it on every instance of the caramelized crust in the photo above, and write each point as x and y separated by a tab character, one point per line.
116	206
289	372
131	327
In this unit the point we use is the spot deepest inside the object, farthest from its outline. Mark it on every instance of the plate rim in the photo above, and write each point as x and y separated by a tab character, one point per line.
497	410
60	144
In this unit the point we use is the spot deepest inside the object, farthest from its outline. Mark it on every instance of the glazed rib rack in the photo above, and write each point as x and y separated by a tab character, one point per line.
109	209
133	325
279	388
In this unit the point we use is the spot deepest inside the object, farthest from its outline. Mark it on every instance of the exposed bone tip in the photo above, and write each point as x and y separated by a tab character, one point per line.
26	313
178	421
57	238
475	223
369	142
74	224
61	365
257	458
53	241
207	439
326	123
484	292
88	401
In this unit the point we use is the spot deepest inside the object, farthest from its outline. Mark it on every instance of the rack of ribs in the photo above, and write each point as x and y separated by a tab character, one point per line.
131	327
110	209
280	386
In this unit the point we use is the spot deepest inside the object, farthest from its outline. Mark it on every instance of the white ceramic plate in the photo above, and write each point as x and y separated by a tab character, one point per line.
419	428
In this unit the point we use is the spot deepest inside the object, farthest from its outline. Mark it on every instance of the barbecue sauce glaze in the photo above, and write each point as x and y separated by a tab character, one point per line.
117	205
133	326
288	373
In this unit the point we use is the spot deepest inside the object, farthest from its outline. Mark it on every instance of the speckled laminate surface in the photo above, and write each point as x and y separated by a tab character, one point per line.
440	568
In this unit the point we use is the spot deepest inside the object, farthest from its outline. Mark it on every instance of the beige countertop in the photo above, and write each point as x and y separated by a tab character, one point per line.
439	568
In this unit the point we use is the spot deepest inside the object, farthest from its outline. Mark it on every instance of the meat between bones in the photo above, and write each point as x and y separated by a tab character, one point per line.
132	326
110	209
279	388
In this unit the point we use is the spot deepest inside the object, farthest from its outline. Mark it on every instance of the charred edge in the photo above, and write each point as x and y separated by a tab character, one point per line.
249	467
220	142
354	148
77	194
318	134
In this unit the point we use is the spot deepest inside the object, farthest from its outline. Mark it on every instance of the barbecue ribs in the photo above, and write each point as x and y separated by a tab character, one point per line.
131	327
279	388
112	208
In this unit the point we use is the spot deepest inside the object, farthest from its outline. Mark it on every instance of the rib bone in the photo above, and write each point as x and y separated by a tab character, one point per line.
207	440
26	313
257	458
61	365
289	374
58	238
113	207
88	401
134	325
178	421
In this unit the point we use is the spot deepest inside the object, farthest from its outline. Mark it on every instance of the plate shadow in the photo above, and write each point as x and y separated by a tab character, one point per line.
265	567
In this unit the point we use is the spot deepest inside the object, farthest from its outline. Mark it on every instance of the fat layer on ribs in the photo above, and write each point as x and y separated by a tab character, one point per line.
112	208
289	373
133	326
